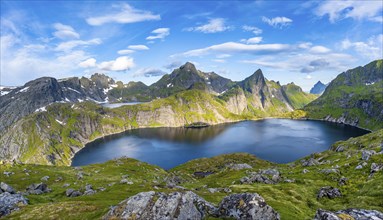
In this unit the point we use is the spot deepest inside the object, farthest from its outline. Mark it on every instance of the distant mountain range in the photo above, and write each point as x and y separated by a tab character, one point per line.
263	95
318	88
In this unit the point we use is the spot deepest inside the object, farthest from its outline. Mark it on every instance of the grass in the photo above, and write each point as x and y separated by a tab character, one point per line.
295	200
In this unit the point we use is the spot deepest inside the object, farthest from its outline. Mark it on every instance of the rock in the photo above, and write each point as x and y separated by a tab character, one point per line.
325	215
340	148
246	206
215	190
125	181
80	175
366	154
239	166
357	214
376	167
305	171
342	181
11	202
38	188
173	180
72	193
45	178
155	205
201	174
89	190
6	188
66	185
101	189
329	192
359	167
58	179
309	162
269	176
8	173
328	171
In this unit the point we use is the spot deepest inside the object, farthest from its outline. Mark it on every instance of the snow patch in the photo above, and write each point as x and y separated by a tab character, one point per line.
80	100
60	122
66	99
68	88
368	84
223	92
42	109
209	83
169	85
4	93
272	96
23	89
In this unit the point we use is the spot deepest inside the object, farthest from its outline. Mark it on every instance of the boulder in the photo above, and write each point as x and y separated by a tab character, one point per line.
328	171
268	176
11	202
6	188
38	188
361	214
126	181
239	166
329	192
309	162
156	205
376	167
246	206
305	171
366	154
45	178
72	193
89	190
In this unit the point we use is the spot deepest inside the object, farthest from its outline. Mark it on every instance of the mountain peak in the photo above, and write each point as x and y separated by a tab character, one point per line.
188	66
318	88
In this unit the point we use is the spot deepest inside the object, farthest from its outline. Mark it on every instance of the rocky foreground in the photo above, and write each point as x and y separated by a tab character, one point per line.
341	183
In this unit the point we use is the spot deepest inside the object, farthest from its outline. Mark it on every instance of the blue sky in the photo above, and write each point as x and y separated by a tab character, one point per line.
291	41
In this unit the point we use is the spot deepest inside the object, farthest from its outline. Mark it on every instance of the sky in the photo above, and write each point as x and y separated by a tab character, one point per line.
291	41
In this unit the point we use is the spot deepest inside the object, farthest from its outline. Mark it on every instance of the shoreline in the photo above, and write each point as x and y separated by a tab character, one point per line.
228	122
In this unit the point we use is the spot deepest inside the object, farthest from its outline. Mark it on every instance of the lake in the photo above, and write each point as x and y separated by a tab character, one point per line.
276	140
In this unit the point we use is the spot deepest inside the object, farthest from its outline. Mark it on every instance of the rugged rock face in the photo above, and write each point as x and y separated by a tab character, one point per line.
348	214
269	176
354	97
188	205
246	206
152	205
329	192
36	95
318	88
10	200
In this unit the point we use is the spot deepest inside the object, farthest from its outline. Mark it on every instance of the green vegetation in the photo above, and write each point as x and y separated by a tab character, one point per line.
293	200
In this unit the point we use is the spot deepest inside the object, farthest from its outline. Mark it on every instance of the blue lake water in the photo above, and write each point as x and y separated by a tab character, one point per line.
276	140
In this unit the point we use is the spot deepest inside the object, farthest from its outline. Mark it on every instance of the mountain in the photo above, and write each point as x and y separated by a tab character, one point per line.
37	94
318	88
185	77
354	97
259	96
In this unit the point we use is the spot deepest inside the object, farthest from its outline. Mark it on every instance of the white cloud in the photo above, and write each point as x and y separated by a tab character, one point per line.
69	45
65	32
213	26
127	14
91	62
279	22
315	65
149	72
138	47
119	64
253	40
173	65
159	33
372	48
358	10
319	49
124	52
253	29
219	60
308	76
221	56
233	47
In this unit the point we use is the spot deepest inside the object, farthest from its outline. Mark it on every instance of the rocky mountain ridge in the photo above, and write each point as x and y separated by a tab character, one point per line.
36	95
354	97
318	88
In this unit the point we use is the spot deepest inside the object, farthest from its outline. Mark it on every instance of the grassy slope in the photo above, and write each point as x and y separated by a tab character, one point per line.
292	200
42	134
344	92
